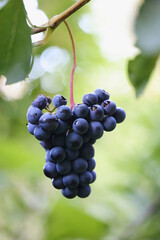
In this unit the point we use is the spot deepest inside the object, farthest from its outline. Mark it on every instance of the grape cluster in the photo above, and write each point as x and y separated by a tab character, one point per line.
68	137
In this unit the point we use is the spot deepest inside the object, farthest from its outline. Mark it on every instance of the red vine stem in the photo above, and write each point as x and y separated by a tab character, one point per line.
72	102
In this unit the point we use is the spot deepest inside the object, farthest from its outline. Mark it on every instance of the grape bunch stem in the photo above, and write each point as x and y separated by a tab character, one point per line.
72	103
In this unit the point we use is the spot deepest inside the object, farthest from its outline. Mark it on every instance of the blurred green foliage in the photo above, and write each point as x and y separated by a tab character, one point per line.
124	203
148	41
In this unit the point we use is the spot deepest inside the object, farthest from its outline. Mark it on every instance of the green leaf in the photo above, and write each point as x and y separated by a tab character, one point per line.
147	27
15	42
68	222
139	71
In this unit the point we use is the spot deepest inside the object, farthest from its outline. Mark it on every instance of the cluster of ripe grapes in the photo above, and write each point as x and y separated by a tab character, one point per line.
68	137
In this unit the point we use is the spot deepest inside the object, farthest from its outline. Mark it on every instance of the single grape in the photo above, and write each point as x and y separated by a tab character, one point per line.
59	100
84	191
92	141
69	193
62	127
86	138
63	112
85	178
119	115
80	110
40	102
74	141
58	140
94	176
109	123
58	154
109	107
40	134
49	100
70	120
102	95
31	128
90	99
91	164
87	151
47	144
49	170
96	113
79	165
48	156
80	125
95	130
71	154
71	180
57	182
64	167
48	122
33	115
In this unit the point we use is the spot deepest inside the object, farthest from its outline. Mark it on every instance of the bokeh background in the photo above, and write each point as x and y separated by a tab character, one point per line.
125	199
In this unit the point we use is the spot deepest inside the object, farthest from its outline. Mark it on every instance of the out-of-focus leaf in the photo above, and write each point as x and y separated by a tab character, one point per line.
139	71
68	222
147	27
15	42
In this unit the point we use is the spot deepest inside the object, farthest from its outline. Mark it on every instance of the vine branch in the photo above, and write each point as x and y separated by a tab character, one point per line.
56	20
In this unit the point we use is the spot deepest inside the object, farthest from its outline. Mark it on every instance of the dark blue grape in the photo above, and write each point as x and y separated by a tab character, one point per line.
62	127
40	102
48	156
84	191
102	95
59	100
92	141
74	141
49	100
85	178
33	114
40	134
49	170
79	165
109	123
63	112
58	140
71	180
87	151
90	99
80	110
109	107
48	122
86	138
95	130
47	144
94	176
57	182
71	154
119	115
69	193
80	125
91	164
70	120
96	113
58	154
64	167
31	128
